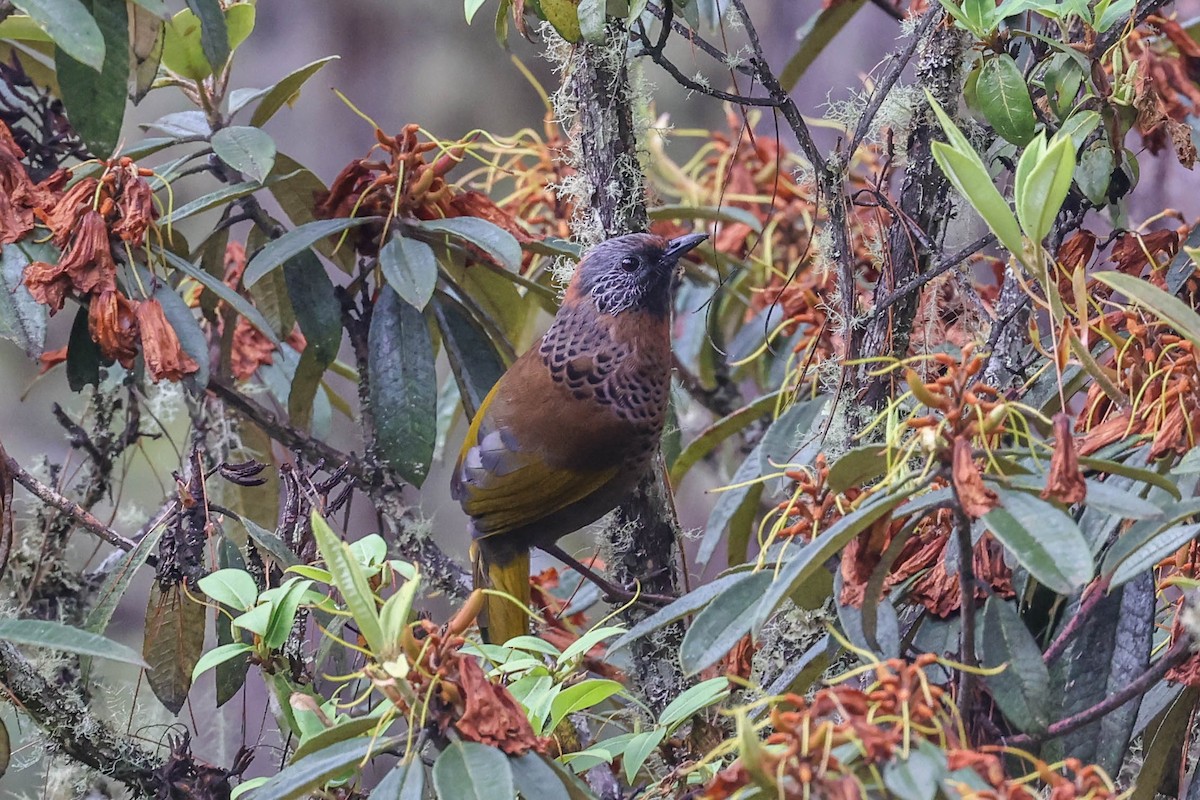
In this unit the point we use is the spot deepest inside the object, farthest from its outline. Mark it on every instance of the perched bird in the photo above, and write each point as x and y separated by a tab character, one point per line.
566	433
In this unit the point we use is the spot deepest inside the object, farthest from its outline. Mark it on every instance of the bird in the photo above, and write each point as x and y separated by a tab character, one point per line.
566	433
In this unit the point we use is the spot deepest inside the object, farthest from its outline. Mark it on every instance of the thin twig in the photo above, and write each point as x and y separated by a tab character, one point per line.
78	513
885	85
925	277
1177	654
1092	595
966	586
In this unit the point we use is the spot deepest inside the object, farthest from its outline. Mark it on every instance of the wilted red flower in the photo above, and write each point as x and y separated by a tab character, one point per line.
113	324
87	266
1065	482
21	198
976	498
160	345
52	358
135	204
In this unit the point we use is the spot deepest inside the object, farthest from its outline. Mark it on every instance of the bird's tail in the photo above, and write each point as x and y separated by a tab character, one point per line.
502	619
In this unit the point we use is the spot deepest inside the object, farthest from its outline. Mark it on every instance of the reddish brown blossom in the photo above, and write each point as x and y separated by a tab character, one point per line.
164	355
1077	250
20	197
52	358
1065	482
113	323
136	207
975	497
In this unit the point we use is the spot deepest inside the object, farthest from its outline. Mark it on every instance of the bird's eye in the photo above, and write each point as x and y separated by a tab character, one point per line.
630	263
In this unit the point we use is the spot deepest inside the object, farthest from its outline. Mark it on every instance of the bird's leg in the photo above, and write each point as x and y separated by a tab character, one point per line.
612	591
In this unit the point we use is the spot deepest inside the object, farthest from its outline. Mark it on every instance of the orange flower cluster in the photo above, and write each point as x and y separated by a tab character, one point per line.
460	696
868	729
813	507
86	221
536	168
402	184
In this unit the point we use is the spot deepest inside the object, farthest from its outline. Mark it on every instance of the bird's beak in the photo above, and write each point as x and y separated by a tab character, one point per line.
682	244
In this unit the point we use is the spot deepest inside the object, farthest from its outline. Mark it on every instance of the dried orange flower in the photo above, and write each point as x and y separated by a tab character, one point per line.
160	345
113	323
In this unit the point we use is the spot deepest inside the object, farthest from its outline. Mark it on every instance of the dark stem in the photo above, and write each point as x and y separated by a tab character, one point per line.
70	508
966	587
1093	593
1176	655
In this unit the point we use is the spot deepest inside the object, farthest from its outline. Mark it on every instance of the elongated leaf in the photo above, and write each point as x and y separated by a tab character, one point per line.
1004	99
488	237
694	699
744	493
298	780
248	150
221	290
672	612
1122	564
580	696
233	587
174	643
187	329
55	635
295	241
1170	308
351	581
320	316
406	781
732	214
219	655
966	171
474	360
472	771
410	268
95	100
286	90
1022	690
22	319
916	777
1163	743
1043	539
1041	188
83	354
294	192
342	731
70	25
813	555
813	37
403	386
117	582
719	627
146	37
712	436
214	35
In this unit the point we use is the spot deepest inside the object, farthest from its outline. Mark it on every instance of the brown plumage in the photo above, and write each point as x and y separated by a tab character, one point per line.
569	429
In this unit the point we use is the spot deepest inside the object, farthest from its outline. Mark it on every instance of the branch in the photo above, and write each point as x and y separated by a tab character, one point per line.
925	277
75	730
697	39
69	507
1093	594
1178	653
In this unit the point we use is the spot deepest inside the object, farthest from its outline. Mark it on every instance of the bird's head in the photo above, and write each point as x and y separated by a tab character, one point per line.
632	272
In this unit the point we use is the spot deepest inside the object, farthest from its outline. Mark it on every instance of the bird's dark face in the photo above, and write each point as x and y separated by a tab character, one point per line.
632	272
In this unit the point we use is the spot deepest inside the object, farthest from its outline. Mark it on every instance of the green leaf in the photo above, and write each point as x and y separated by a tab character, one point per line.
270	543
403	387
298	780
813	37
743	493
83	355
286	91
320	316
966	172
1022	690
340	732
351	581
472	771
694	699
536	778
474	359
1124	563
471	8
217	656
562	14
856	466
248	150
716	629
672	612
295	241
731	214
70	25
1041	188
214	35
813	555
1004	99
1170	308
582	695
174	642
406	781
55	635
118	581
233	587
591	19
294	193
712	436
187	329
95	100
410	268
146	37
488	237
221	290
638	749
22	319
1043	539
916	777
